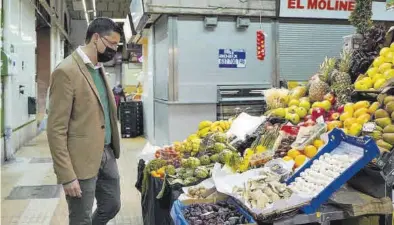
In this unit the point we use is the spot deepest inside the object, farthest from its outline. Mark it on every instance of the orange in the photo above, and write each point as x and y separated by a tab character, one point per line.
299	160
310	151
293	153
318	143
287	158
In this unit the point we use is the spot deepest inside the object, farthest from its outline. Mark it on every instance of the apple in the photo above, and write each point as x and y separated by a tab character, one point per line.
301	112
335	116
341	109
326	105
305	104
330	97
317	112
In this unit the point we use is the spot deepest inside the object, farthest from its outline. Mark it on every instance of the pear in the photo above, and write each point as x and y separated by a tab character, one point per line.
389	138
383	122
381	113
381	98
390	107
388	99
389	129
392	116
384	144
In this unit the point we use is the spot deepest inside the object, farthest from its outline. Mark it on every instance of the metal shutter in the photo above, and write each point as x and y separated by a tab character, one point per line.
303	47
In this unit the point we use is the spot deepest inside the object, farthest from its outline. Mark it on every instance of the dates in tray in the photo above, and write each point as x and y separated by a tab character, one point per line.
284	146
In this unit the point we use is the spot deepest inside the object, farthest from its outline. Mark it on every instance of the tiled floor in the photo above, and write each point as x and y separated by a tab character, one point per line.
32	166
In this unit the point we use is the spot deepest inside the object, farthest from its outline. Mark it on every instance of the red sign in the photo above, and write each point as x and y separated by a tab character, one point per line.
260	45
331	5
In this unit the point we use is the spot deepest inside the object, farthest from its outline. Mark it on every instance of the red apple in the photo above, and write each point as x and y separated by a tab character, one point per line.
318	112
330	97
335	116
341	108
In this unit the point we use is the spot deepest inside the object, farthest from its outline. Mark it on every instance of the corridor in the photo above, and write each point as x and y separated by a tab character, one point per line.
29	195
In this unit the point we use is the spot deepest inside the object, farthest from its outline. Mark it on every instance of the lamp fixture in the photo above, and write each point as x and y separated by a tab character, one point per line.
94	8
85	11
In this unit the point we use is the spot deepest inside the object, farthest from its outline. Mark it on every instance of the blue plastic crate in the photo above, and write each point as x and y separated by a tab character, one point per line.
336	137
179	219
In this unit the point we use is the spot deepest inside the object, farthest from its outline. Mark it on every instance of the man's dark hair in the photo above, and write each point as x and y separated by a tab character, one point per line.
103	26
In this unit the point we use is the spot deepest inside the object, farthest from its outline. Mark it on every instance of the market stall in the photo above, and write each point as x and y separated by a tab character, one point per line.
320	153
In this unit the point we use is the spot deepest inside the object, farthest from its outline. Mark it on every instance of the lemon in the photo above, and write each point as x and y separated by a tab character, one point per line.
384	51
377	76
392	47
384	67
300	160
372	71
379	83
378	61
368	82
345	116
355	129
287	158
293	153
389	74
310	151
389	57
349	121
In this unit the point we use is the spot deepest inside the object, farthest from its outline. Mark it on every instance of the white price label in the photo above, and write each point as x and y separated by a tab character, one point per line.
369	127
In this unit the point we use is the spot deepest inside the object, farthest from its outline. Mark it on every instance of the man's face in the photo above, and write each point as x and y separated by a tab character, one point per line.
110	41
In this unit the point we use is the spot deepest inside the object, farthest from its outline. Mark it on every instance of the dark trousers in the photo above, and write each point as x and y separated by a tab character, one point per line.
105	188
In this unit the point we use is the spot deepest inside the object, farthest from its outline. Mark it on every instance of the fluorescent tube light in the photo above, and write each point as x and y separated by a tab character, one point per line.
94	8
85	11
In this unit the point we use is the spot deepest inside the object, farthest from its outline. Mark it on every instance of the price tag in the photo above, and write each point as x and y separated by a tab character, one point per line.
369	127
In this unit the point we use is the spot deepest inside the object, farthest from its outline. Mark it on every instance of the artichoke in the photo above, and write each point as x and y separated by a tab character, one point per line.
214	158
170	170
221	137
201	172
218	147
188	173
190	180
193	162
225	156
204	160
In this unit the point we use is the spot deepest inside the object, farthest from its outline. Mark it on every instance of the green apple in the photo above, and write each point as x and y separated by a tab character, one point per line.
301	112
305	104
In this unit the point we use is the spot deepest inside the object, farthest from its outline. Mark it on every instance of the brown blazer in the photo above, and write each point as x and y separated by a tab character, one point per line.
75	125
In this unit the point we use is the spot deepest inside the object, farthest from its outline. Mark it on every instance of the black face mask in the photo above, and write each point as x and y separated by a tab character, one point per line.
107	55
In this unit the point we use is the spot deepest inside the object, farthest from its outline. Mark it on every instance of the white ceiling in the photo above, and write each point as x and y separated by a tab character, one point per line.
105	8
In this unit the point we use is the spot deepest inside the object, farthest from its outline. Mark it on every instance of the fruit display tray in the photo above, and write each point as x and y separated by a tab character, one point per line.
364	146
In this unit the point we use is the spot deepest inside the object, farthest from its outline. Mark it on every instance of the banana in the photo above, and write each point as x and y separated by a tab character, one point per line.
204	124
203	133
222	124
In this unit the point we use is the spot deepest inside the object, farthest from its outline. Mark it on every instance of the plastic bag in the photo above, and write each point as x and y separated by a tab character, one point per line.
243	125
156	211
179	219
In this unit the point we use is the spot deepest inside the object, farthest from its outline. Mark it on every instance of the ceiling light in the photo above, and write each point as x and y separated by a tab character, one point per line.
117	20
85	11
94	8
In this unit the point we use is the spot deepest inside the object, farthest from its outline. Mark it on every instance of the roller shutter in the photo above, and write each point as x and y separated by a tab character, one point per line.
303	47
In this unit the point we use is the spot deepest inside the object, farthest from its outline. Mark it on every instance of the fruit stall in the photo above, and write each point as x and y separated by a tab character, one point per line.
321	152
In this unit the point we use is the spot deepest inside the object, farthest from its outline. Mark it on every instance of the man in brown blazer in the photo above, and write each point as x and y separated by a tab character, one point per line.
82	130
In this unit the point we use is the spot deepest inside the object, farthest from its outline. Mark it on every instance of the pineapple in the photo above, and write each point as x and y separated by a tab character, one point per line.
341	80
319	86
341	75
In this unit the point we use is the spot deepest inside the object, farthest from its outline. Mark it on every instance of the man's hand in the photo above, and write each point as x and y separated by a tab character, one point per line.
73	189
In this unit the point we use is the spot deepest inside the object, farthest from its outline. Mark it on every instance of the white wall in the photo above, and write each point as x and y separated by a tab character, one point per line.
78	32
19	46
130	70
